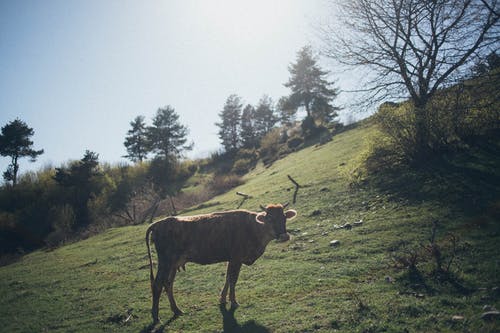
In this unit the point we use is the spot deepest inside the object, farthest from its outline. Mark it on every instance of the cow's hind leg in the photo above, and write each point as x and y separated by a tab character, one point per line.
157	287
169	288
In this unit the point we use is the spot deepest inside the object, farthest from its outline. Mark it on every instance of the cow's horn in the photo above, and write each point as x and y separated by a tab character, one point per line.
263	208
286	205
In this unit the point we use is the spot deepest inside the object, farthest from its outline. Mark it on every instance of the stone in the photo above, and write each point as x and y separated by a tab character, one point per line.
347	226
490	315
334	243
457	318
489	308
389	279
358	223
316	212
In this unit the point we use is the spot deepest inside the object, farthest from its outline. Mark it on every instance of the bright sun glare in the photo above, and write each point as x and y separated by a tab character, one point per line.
242	19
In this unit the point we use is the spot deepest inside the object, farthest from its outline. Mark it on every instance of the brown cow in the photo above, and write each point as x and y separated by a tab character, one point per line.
237	236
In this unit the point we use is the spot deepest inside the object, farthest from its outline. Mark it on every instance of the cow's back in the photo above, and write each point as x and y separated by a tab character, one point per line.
211	238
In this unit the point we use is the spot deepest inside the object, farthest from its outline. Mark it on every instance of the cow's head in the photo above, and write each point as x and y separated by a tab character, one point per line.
275	216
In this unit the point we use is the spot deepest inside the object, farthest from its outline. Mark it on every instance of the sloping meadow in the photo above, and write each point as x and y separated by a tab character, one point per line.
360	259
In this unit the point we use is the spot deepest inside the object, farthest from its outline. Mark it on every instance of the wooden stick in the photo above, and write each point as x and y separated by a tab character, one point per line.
245	197
297	186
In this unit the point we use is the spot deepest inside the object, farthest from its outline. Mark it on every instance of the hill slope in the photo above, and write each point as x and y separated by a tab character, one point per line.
380	278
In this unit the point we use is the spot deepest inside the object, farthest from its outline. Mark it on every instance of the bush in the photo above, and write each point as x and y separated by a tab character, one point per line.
223	183
63	220
242	166
398	123
270	147
453	117
249	154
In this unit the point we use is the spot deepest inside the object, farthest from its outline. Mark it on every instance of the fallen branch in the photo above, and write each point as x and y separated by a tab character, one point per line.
297	186
245	197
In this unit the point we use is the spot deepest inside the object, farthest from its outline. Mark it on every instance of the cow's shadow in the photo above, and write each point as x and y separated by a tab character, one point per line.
231	325
151	328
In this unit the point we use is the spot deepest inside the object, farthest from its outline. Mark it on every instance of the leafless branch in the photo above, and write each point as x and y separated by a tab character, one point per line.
297	186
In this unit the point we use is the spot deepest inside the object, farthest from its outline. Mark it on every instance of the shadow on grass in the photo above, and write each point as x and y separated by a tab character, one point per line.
151	327
467	179
231	325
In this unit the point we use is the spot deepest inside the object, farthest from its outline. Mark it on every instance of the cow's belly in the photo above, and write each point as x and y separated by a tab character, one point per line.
208	253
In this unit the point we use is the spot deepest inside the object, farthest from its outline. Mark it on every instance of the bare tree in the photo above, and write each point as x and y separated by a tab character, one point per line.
411	48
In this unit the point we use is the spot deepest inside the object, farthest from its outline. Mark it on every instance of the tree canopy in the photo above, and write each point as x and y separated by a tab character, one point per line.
229	127
136	141
412	49
15	142
310	88
167	136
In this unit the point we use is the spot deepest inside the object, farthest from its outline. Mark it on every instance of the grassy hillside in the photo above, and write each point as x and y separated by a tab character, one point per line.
381	276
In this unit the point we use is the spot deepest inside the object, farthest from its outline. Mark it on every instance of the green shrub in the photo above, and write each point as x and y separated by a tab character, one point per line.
223	183
242	166
270	146
397	121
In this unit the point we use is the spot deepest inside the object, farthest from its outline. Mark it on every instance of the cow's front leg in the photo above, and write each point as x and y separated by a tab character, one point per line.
233	270
223	293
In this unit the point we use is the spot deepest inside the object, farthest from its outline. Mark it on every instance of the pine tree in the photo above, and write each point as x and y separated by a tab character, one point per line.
265	119
167	136
82	181
286	111
248	135
229	127
15	142
310	88
136	141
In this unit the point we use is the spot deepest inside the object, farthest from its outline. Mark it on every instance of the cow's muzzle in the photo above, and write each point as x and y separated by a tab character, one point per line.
283	237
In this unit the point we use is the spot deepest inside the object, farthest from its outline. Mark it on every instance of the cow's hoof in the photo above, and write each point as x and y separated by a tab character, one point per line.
178	312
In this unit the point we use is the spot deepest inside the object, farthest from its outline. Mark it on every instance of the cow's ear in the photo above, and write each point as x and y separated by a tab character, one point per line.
261	218
290	214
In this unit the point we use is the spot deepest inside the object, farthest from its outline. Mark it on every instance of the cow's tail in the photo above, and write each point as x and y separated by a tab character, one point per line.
151	275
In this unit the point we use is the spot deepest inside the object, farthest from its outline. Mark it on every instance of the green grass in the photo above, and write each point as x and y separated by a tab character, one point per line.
304	285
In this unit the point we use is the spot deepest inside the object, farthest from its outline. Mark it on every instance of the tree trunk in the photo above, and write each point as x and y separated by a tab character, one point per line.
422	133
15	166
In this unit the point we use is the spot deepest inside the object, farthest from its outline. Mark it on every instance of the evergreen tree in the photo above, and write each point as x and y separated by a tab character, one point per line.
229	127
167	136
15	142
286	111
82	180
310	88
265	119
136	141
248	135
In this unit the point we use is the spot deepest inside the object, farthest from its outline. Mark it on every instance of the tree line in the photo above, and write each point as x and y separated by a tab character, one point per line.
310	91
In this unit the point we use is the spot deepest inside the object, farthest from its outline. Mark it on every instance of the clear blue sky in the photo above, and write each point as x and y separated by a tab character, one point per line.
79	71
